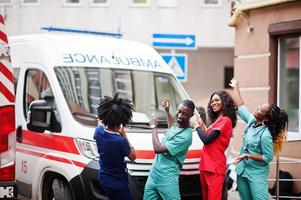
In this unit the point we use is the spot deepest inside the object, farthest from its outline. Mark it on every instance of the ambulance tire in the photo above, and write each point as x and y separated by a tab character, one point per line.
60	190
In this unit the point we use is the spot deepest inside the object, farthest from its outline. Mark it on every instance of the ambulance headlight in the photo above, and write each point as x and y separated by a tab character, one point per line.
88	148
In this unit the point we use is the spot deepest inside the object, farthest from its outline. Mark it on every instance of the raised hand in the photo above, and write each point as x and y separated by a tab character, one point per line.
153	121
121	130
194	122
236	92
165	105
234	83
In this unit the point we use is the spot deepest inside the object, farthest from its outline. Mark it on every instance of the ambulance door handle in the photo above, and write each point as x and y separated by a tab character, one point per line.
19	134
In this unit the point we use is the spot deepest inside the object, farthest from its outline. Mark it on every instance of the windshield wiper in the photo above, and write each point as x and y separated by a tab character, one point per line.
84	114
143	125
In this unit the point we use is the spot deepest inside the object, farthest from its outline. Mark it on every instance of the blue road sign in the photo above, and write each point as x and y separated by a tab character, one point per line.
174	41
178	64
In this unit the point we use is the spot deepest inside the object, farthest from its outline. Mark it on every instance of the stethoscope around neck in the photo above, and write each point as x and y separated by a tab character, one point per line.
253	145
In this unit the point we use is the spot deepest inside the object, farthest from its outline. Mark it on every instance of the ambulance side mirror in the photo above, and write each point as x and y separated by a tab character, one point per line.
41	116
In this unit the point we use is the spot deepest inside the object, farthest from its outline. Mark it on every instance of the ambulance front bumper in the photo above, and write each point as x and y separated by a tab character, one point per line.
86	185
138	172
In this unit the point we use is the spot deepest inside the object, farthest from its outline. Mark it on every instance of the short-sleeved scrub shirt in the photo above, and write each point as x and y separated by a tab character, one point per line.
112	149
165	170
255	141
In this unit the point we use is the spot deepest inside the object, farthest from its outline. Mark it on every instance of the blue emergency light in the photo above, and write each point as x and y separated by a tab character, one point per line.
71	30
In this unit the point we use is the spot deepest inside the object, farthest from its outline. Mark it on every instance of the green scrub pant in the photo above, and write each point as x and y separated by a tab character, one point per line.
249	190
161	191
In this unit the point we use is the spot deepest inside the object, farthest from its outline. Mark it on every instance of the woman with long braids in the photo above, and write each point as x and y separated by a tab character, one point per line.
262	139
222	115
113	146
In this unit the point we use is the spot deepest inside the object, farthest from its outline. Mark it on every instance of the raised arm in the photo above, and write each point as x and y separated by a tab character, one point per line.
165	105
197	124
236	92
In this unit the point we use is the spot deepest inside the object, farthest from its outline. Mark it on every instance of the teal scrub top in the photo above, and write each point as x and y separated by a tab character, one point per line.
166	166
255	141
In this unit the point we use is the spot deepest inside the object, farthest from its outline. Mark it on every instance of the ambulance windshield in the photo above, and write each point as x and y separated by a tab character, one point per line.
83	87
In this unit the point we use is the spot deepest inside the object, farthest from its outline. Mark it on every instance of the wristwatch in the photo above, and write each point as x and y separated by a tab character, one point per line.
152	126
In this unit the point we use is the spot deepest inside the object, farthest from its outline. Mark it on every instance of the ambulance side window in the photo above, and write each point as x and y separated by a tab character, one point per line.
37	88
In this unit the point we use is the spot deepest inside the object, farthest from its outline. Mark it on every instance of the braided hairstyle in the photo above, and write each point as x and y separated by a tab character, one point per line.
114	111
228	107
277	124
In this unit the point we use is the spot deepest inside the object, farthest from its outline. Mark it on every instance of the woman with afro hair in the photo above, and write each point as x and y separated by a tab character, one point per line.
262	139
113	146
222	116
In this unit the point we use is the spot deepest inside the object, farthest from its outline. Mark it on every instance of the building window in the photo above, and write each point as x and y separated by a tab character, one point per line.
29	2
72	2
100	3
5	2
211	3
289	81
228	75
140	3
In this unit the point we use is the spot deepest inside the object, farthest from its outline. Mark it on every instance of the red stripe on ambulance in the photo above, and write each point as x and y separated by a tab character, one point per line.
50	141
146	154
50	157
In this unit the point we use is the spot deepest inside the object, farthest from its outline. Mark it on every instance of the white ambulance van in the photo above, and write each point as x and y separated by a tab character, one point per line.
59	81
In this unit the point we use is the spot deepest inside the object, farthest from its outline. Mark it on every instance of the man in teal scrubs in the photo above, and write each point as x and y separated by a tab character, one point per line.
163	180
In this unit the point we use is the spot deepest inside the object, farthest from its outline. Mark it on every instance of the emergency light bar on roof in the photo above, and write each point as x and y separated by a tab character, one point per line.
70	30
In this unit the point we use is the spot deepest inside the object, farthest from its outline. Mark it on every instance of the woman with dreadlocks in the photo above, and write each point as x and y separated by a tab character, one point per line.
113	146
263	138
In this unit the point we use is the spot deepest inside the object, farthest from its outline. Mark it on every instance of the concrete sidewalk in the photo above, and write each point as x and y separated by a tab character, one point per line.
233	195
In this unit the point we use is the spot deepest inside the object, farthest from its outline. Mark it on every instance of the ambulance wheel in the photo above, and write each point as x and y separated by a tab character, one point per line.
60	190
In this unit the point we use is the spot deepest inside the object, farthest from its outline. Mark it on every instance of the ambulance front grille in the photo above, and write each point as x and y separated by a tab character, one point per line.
141	167
189	186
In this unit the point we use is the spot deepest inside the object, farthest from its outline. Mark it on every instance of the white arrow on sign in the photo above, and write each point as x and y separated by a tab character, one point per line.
175	67
187	40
